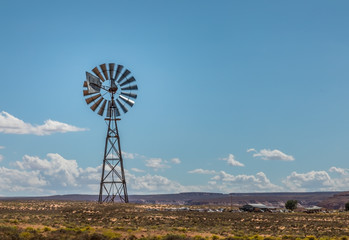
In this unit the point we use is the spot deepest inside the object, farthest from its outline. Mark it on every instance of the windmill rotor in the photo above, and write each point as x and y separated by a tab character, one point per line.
109	82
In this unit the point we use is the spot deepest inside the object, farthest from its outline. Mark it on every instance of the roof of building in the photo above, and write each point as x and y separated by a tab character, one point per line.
258	205
313	208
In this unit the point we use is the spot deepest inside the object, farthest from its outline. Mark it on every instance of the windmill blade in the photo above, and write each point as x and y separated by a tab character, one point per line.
93	83
90	99
86	92
132	95
101	110
134	87
127	72
108	109
116	109
118	71
127	100
96	104
98	73
104	70
111	70
124	109
131	79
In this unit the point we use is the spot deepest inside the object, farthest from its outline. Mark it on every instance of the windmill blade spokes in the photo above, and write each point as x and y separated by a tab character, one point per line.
96	104
127	100
131	79
90	99
86	92
104	70
132	95
125	74
134	87
111	70
101	110
124	109
98	73
118	71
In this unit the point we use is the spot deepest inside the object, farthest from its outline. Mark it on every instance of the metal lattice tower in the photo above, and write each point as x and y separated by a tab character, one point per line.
115	90
113	181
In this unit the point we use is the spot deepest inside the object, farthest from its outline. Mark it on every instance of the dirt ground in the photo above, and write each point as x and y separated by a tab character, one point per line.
90	220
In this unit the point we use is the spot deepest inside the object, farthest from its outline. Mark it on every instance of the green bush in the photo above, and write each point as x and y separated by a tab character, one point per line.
291	204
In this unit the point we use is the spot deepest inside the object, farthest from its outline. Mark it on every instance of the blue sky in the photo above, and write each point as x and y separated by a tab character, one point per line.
234	96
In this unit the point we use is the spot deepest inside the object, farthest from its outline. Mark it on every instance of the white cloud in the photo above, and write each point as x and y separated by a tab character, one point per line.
56	175
1	157
224	182
251	150
231	161
176	160
318	180
156	163
341	171
35	176
310	181
137	170
267	154
202	171
2	147
12	125
56	168
14	180
152	184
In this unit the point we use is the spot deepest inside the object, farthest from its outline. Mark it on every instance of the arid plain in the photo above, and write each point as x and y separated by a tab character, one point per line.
38	219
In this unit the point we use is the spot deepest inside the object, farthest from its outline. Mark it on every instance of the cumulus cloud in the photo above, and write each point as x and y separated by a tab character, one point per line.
137	170
341	171
231	161
267	154
156	163
55	168
336	179
11	125
224	182
176	160
2	147
127	155
202	171
310	181
54	174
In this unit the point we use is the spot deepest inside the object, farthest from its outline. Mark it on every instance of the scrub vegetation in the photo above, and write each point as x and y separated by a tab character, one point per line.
90	220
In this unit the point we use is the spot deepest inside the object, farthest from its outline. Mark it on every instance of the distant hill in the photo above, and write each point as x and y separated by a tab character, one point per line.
337	201
330	200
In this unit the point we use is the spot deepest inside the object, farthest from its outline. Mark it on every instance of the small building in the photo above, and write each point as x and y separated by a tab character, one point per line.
313	209
256	207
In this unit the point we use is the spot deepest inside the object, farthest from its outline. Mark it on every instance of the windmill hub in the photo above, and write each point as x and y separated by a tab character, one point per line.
110	89
113	89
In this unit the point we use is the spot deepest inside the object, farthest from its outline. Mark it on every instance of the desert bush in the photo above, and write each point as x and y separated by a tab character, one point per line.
175	237
291	204
310	238
47	229
98	236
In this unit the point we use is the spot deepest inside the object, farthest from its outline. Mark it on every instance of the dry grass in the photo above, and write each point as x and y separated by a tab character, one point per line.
88	220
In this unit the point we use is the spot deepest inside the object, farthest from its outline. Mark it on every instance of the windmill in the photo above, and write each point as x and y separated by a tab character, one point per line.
109	91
